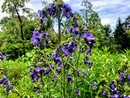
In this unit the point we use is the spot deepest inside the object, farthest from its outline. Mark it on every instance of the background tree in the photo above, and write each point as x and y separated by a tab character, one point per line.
12	7
126	23
20	26
93	22
120	35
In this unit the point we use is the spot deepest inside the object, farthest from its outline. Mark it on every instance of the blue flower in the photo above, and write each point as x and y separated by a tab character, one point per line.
77	92
115	96
11	86
51	10
89	38
104	94
89	51
36	37
84	73
2	56
112	87
122	78
68	29
75	31
5	83
68	49
88	62
69	78
67	11
128	77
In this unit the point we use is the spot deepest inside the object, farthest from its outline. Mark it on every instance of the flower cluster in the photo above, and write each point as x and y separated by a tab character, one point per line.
37	37
94	85
56	57
69	78
68	49
117	87
67	11
88	62
89	38
38	71
2	56
77	92
42	15
6	84
53	9
82	74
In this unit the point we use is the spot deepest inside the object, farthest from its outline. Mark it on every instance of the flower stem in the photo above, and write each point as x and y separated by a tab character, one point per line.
76	67
60	51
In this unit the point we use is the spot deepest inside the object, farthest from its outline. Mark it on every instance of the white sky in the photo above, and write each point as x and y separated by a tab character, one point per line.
109	10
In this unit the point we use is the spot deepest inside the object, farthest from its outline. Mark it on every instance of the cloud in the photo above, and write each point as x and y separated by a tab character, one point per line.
2	14
108	10
66	0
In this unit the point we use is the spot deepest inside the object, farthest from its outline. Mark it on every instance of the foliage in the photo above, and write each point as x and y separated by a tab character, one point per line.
120	35
72	67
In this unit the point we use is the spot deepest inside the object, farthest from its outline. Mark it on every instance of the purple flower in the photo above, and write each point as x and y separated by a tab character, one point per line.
69	29
77	92
104	94
75	31
67	11
85	24
37	72
89	38
56	57
78	73
68	49
38	69
5	84
42	15
128	77
36	37
89	51
69	78
52	66
34	77
11	86
122	78
51	10
112	87
84	73
54	78
115	96
5	81
37	88
2	56
39	13
88	62
58	71
94	83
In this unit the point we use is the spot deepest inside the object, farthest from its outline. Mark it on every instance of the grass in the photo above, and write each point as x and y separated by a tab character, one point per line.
105	67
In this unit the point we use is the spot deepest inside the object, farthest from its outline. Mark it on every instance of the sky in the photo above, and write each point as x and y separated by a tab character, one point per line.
108	10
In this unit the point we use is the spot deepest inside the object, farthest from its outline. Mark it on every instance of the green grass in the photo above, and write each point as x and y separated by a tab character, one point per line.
105	67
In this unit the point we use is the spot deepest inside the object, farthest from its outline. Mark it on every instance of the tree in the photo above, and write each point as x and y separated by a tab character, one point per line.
126	23
93	22
120	35
108	30
87	10
13	7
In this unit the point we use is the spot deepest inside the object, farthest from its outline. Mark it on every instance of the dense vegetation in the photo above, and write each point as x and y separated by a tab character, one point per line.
83	59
